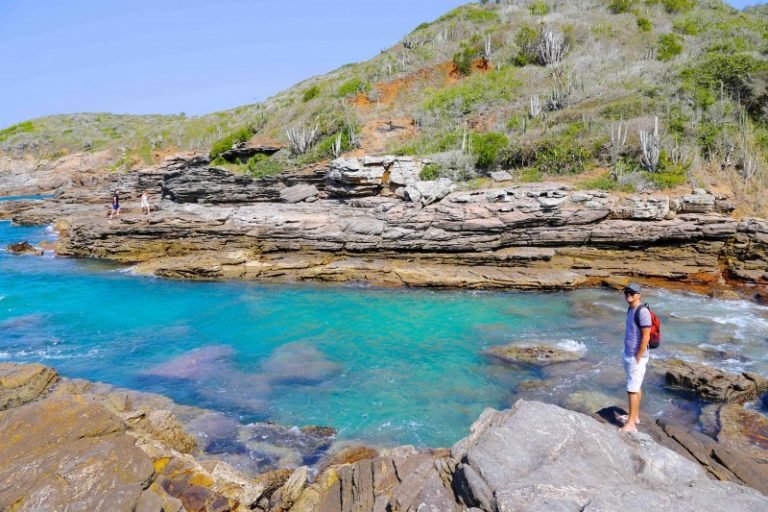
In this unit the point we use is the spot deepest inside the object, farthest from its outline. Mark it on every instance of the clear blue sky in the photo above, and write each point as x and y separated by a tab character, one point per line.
193	56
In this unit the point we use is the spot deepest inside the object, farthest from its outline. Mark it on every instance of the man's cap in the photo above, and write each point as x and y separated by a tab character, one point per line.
632	287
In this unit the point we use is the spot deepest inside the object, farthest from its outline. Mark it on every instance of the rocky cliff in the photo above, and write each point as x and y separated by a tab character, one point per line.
387	227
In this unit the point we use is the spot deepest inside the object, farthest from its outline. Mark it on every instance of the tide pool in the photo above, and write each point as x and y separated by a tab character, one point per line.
383	366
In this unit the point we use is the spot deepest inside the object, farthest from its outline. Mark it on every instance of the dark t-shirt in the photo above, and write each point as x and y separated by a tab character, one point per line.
115	200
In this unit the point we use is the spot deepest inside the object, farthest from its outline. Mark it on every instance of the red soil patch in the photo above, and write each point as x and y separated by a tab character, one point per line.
376	135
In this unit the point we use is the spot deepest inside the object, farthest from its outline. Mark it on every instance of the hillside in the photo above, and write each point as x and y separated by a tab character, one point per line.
540	88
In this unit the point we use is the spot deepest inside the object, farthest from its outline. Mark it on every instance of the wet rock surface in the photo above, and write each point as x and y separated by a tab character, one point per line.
532	354
23	248
132	453
713	384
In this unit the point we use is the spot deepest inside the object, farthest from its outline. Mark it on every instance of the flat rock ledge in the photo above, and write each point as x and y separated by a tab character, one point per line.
67	447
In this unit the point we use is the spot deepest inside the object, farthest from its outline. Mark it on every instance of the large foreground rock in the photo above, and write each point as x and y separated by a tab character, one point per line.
82	460
539	457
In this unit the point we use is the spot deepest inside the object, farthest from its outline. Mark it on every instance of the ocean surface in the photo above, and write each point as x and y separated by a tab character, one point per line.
384	366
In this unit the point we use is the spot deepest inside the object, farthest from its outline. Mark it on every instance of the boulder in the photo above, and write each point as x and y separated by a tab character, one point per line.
538	457
532	354
712	384
500	176
243	151
428	192
20	384
298	193
349	177
23	248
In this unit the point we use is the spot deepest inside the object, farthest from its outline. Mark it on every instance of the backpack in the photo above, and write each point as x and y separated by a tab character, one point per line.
655	340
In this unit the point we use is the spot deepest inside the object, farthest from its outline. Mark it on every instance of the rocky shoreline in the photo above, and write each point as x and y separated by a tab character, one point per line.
76	445
373	220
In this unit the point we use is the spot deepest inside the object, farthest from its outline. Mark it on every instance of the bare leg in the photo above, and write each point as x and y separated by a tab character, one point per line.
634	412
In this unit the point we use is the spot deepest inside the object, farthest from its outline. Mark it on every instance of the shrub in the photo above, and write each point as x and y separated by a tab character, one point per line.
740	76
260	166
480	89
531	175
620	6
352	86
676	6
565	153
462	60
644	24
23	127
538	8
225	143
666	179
472	13
688	26
428	144
526	39
487	147
670	46
430	172
605	182
311	93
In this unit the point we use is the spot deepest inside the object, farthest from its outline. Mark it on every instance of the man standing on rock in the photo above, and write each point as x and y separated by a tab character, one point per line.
636	338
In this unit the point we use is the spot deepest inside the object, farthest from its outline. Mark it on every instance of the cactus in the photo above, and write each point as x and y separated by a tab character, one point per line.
552	46
336	148
650	143
618	140
535	108
301	139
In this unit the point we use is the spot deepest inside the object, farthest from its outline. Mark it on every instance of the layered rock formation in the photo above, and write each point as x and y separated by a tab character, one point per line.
356	220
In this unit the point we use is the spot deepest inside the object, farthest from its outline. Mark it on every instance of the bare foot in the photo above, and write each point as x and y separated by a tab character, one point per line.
624	418
628	428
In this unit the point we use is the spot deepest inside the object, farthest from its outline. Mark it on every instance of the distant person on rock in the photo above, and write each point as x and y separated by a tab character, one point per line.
637	334
144	202
115	211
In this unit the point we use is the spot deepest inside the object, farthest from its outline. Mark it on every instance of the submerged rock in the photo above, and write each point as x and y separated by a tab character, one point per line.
195	364
539	354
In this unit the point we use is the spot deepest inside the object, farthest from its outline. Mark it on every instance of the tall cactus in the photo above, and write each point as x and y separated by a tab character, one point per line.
650	143
552	46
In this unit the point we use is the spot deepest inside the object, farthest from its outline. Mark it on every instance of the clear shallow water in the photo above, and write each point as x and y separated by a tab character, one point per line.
384	366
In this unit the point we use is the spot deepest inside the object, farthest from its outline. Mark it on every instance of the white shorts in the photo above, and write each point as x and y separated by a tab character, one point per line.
635	372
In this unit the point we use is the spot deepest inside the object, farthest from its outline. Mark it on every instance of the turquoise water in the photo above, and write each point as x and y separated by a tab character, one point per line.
18	198
384	366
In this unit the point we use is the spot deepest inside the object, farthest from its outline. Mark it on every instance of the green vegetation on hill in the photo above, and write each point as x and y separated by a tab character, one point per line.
542	88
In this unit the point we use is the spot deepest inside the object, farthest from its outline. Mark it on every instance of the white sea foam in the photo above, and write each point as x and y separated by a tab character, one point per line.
572	346
612	307
5	355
